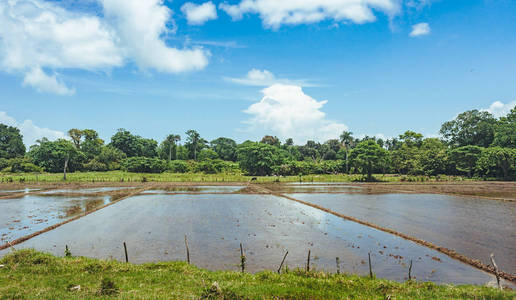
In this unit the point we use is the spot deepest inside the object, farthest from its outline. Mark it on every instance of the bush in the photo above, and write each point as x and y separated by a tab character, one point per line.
95	166
215	166
23	165
144	165
179	166
4	163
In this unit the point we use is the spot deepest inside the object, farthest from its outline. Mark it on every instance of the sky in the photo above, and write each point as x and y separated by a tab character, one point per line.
246	68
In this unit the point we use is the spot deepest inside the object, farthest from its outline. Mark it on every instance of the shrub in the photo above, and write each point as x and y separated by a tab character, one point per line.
179	166
144	165
23	165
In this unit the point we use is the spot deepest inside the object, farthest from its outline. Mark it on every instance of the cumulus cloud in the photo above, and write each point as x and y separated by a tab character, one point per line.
500	109
45	83
256	77
140	25
286	111
276	13
38	36
30	131
420	29
199	14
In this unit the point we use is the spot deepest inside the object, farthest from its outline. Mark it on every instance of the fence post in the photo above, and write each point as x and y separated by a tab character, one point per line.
281	265
125	250
187	250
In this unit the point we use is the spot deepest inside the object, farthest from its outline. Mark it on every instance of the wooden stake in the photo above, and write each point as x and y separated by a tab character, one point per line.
242	258
187	250
125	250
337	260
308	262
410	271
281	265
496	272
370	267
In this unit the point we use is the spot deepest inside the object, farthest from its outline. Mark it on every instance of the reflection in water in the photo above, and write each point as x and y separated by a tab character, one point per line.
31	213
154	227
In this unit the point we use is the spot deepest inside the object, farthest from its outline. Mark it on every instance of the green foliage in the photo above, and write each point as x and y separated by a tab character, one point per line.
144	165
497	161
465	158
134	145
51	156
471	128
194	143
271	140
11	142
207	154
258	158
23	165
368	156
179	166
225	148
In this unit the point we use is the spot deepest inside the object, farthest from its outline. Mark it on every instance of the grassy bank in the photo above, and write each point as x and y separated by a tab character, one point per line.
120	176
28	274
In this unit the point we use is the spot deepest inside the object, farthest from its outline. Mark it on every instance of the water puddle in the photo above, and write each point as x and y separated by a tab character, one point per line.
153	226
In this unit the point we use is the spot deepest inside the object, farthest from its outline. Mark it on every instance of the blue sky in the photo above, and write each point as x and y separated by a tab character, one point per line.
251	67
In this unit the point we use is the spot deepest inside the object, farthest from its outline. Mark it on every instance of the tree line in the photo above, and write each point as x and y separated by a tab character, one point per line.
475	143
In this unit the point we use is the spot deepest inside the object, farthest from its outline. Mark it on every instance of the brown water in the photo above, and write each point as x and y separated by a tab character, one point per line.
471	226
22	216
154	227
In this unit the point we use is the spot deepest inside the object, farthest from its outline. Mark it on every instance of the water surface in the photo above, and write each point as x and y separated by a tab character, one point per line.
471	226
22	216
154	227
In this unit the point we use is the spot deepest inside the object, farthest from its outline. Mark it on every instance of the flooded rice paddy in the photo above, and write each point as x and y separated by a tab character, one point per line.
471	226
217	219
31	213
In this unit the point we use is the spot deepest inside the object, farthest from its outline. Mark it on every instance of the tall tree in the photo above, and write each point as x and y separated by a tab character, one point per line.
172	139
368	156
465	158
474	127
11	142
271	140
225	148
505	134
92	144
194	143
76	136
348	142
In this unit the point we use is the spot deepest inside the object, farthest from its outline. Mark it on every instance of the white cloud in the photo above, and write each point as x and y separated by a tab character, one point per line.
276	13
500	109
36	35
286	111
420	29
140	25
45	83
199	14
31	132
256	77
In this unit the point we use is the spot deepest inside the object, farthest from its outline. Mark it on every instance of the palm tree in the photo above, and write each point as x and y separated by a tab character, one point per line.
172	139
347	140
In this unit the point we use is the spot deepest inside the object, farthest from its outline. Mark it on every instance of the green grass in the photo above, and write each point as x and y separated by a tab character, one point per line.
120	176
28	274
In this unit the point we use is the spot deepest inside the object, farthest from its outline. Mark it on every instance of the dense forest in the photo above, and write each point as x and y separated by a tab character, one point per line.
475	143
